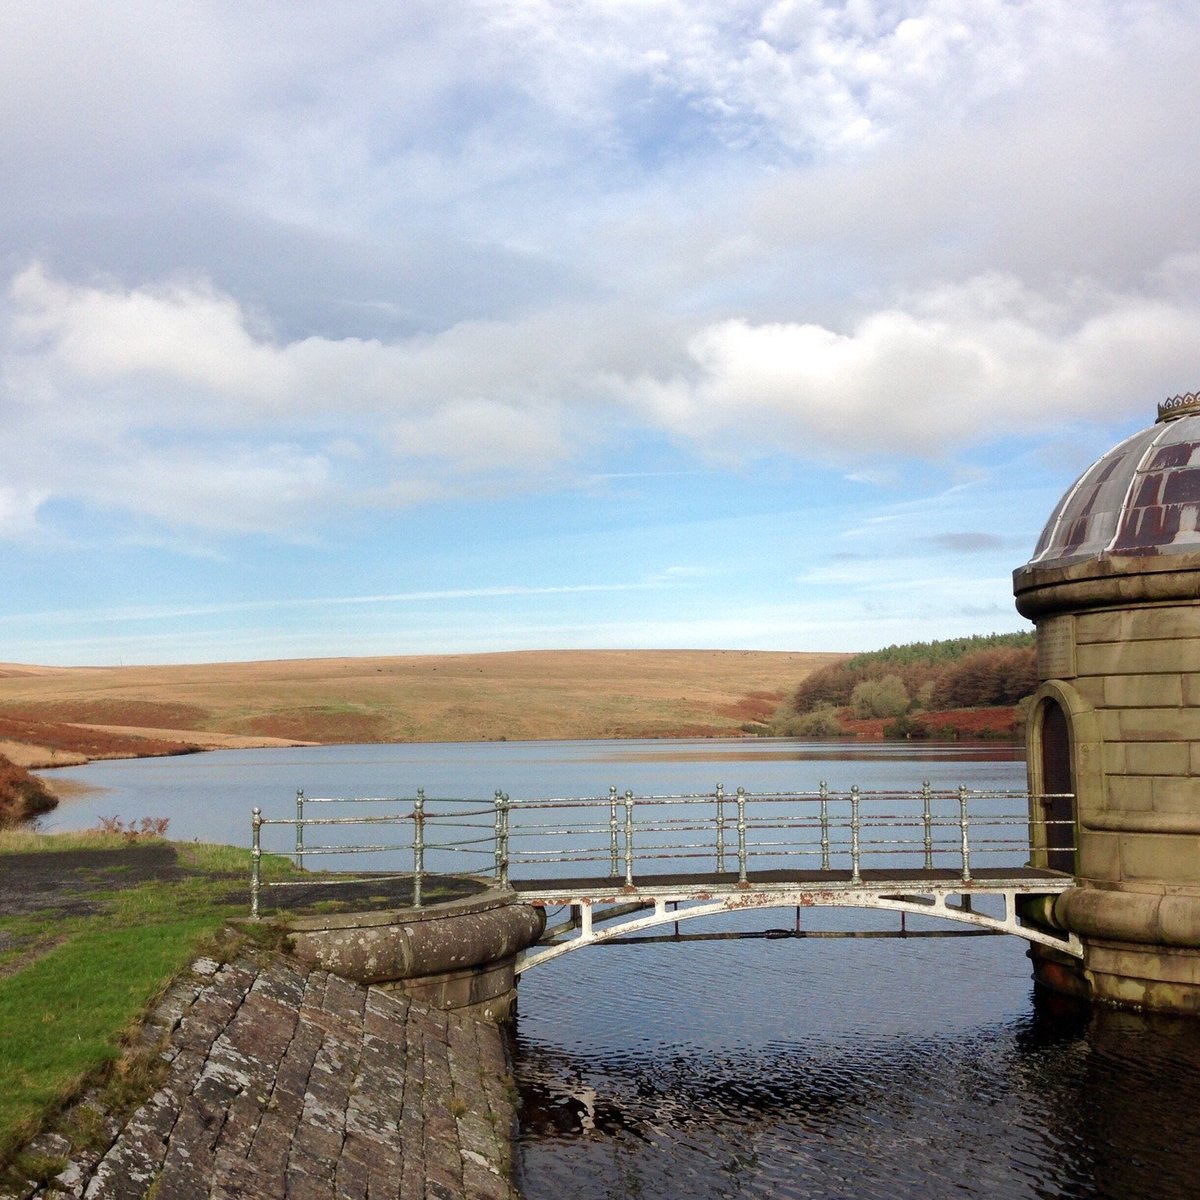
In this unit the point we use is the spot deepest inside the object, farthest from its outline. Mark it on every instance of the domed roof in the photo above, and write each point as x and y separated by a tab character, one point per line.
1141	498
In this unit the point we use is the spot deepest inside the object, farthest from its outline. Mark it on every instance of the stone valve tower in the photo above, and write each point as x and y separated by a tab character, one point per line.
1114	729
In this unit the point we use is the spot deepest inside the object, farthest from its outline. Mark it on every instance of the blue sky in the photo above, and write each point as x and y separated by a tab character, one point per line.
428	328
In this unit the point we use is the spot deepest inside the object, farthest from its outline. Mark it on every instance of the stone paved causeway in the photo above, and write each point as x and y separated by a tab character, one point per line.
286	1082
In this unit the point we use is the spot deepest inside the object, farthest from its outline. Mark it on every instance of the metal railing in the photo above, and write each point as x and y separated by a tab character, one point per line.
623	836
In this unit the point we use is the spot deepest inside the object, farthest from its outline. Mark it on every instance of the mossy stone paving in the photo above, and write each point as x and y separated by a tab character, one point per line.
366	893
74	882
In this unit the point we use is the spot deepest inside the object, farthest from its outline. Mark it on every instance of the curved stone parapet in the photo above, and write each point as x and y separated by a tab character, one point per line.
1125	916
1141	949
453	955
1105	583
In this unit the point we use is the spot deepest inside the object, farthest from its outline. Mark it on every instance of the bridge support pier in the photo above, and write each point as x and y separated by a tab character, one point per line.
1140	950
455	955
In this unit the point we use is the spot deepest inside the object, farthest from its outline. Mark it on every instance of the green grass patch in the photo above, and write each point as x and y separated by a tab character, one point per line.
27	841
66	1013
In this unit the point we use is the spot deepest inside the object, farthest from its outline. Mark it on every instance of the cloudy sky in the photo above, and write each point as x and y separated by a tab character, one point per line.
495	324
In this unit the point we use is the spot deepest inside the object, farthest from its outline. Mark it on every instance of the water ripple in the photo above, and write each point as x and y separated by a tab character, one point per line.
667	1073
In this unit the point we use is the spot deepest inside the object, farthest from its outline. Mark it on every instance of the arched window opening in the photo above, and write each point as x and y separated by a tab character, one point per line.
1058	781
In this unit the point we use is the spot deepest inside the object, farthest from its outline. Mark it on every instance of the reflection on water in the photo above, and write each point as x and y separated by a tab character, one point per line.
847	1070
789	750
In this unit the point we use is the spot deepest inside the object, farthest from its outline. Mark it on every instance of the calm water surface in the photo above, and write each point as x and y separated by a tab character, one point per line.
793	1068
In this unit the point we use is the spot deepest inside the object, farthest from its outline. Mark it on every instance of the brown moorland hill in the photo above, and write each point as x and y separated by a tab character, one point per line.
463	697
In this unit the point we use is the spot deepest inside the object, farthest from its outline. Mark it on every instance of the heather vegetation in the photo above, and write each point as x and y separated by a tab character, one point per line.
903	682
22	795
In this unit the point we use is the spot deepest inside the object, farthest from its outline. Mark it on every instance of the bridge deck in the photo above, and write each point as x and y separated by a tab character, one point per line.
704	885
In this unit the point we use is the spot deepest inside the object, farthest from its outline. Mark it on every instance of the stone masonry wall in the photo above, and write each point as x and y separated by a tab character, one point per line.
1139	668
290	1082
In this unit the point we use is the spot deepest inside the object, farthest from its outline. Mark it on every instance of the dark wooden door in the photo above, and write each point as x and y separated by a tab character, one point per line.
1057	776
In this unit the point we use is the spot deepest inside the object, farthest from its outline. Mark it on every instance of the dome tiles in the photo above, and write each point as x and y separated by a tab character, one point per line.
1141	499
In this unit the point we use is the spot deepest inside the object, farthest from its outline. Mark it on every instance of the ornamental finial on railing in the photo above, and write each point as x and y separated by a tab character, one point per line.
1179	406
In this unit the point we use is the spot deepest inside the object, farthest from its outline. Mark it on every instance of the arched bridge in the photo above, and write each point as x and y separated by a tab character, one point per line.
619	866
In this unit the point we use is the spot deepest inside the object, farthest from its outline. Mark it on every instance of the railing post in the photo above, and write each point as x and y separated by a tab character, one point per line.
255	861
927	821
612	831
741	829
628	839
966	844
720	829
855	872
299	860
418	845
824	826
502	838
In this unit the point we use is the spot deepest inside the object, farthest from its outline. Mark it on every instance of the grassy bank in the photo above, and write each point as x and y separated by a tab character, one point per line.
82	958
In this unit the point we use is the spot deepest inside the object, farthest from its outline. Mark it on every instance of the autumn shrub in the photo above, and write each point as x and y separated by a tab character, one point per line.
886	697
820	724
953	673
987	678
906	727
133	831
22	795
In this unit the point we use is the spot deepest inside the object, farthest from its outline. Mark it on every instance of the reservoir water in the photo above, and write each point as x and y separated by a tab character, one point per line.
763	1068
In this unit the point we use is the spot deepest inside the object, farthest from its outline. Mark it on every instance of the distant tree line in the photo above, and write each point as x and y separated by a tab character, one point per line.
975	672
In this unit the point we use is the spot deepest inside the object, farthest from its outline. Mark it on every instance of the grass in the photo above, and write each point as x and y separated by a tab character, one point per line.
25	840
66	1014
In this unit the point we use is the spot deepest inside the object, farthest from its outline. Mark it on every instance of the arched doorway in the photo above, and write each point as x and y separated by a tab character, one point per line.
1058	777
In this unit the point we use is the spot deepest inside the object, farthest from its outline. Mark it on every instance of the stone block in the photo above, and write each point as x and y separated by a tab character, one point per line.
1101	626
1142	691
1177	964
1109	722
1157	758
1131	793
1176	795
1099	856
1165	621
1158	724
1091	689
1161	856
1158	657
1113	758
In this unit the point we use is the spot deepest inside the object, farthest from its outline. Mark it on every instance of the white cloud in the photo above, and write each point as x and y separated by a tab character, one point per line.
952	365
172	402
169	401
794	74
845	231
482	436
184	332
18	511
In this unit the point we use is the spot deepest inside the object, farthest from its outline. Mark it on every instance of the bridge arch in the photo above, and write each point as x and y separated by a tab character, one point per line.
590	927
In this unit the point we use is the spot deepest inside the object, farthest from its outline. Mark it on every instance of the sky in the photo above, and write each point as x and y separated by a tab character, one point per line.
473	325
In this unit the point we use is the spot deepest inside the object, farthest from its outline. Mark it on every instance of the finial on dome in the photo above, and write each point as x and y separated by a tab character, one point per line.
1179	406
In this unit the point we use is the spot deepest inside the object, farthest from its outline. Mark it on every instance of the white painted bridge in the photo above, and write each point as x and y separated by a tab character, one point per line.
623	867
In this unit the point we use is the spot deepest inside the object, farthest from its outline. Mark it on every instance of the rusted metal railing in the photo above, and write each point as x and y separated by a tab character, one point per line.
630	836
